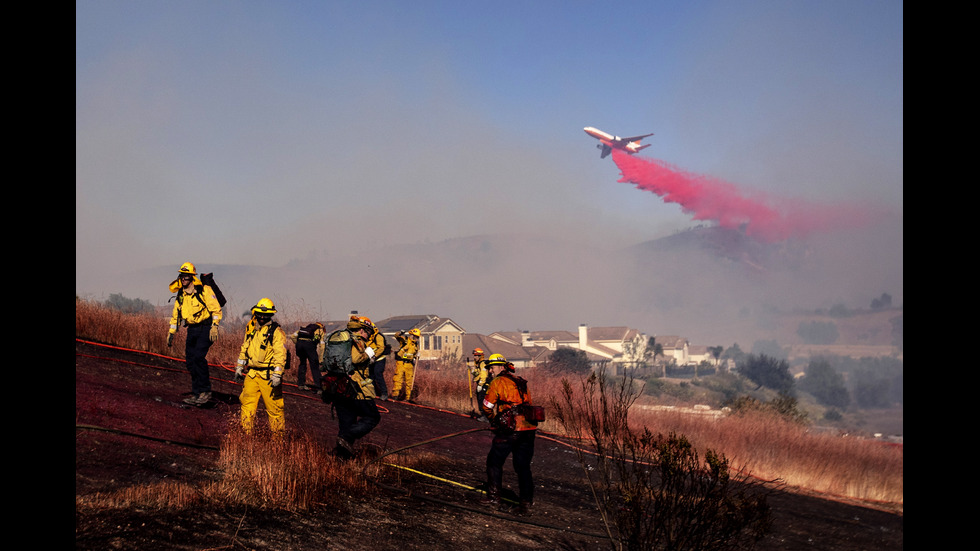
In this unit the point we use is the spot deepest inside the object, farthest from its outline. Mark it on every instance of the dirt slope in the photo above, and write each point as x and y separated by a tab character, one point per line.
131	428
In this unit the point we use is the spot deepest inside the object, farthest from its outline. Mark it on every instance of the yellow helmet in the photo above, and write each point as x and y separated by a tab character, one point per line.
415	333
186	269
477	351
496	359
264	306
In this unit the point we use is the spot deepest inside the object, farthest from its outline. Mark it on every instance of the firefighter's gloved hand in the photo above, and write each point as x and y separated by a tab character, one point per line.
214	333
240	369
275	378
369	351
170	339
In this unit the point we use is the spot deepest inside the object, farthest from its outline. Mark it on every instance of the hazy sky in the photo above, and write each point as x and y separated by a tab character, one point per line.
240	132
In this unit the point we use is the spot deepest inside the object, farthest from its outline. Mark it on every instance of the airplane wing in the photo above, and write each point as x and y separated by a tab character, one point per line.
636	138
606	150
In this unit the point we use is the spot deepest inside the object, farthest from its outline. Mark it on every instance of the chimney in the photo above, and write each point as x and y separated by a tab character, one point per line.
583	336
526	339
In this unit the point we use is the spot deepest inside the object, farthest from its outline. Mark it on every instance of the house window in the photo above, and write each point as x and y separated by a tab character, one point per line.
434	342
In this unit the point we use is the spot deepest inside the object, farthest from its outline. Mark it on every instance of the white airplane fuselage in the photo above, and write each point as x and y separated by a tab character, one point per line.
608	142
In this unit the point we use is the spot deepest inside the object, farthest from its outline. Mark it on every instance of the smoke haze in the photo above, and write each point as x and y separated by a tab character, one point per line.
399	159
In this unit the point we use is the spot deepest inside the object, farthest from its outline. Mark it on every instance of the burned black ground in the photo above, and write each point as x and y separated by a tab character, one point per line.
131	428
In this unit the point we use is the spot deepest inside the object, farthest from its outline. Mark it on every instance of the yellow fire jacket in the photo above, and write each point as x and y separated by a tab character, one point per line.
195	307
479	371
408	350
260	352
377	343
362	369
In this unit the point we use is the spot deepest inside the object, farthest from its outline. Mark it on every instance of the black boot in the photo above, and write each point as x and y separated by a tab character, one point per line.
344	449
492	497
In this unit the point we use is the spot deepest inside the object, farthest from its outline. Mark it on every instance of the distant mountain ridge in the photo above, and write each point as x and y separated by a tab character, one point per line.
710	284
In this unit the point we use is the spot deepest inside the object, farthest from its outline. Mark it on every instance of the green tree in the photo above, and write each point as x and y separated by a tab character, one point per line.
117	301
568	360
878	382
770	348
881	303
734	353
818	332
716	352
768	372
825	384
638	353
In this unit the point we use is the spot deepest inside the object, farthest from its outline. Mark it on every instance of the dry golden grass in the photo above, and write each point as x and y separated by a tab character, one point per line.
770	447
765	446
148	332
292	472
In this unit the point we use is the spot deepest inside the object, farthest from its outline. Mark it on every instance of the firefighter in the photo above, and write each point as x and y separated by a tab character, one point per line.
357	416
261	362
379	343
504	404
307	340
196	306
482	375
405	359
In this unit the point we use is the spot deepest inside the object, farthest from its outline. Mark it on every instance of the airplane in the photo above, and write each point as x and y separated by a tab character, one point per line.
607	142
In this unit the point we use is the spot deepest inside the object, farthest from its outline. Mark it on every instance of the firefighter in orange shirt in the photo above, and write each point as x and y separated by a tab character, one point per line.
504	404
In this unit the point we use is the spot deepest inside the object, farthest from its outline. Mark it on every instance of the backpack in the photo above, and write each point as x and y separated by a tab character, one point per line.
208	279
337	352
337	364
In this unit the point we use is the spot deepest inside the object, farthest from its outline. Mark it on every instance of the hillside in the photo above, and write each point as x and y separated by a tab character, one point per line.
711	285
132	430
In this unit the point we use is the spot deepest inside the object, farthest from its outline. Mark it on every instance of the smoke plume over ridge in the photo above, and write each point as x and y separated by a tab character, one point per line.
765	218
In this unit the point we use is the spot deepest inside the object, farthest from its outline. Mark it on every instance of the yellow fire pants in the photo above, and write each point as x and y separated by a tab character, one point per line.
404	375
256	386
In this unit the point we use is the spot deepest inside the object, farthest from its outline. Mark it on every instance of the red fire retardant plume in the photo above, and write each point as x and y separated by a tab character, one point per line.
764	218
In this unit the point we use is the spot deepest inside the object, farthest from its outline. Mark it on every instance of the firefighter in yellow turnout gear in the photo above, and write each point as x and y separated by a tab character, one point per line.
481	375
196	306
405	360
357	415
261	362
